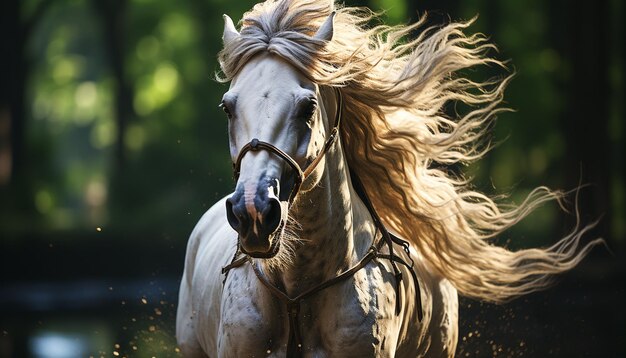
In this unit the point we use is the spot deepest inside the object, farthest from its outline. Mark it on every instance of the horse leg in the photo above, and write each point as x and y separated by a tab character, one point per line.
185	325
444	323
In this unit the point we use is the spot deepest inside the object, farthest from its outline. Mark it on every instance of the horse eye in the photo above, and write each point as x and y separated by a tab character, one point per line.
224	108
308	108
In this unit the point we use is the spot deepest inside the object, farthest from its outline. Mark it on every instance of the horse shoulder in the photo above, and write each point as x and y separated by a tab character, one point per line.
355	316
210	246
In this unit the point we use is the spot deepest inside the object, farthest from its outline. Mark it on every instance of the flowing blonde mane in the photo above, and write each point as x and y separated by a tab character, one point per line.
395	127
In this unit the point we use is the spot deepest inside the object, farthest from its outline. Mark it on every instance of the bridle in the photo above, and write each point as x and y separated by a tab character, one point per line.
300	175
256	145
292	304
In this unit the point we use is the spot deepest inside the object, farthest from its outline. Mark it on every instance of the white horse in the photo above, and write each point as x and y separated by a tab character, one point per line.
323	112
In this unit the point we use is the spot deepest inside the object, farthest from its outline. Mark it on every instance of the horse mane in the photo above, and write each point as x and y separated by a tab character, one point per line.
395	126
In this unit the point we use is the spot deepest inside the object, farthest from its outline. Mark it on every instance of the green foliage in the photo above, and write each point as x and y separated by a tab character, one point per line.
177	147
177	161
395	10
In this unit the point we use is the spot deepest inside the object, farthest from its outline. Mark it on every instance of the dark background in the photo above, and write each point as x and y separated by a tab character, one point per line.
112	147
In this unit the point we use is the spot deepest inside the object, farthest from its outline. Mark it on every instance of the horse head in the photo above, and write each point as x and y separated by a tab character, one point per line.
277	128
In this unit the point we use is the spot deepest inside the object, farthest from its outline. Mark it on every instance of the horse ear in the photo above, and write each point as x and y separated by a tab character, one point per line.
230	32
325	32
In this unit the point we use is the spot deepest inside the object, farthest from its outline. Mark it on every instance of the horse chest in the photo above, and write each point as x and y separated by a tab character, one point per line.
354	318
248	323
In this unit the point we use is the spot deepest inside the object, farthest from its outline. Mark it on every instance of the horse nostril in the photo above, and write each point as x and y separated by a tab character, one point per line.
232	217
272	215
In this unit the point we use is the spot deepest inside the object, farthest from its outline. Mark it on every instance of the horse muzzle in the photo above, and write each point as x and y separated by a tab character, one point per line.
256	215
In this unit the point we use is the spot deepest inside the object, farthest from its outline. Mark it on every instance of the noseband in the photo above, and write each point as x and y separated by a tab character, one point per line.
256	145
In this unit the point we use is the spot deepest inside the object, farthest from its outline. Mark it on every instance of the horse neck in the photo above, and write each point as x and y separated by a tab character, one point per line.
334	232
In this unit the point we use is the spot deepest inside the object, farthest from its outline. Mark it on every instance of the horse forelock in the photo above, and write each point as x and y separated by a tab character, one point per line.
283	28
394	128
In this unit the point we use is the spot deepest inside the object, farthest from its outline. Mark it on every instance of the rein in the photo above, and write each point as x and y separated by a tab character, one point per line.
292	304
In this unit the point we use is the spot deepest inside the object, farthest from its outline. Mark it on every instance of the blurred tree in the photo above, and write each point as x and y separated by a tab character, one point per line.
585	118
16	28
114	19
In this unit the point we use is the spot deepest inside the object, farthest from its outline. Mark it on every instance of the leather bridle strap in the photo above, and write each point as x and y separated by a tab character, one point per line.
294	341
389	239
256	145
331	137
300	175
292	305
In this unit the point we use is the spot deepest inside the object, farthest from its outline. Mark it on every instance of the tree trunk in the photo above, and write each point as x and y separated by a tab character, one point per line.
12	92
113	16
586	117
